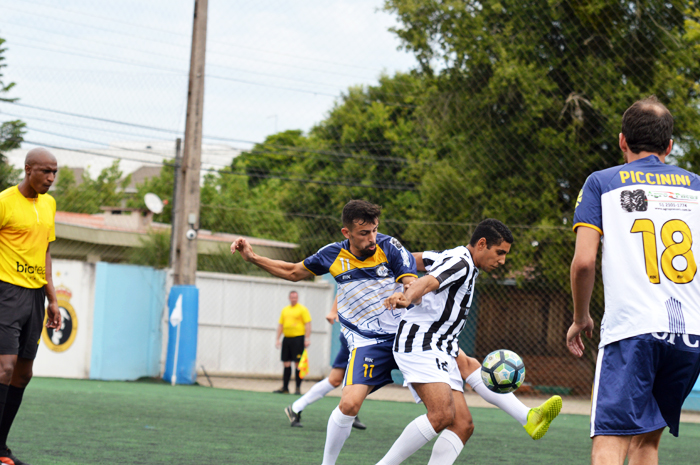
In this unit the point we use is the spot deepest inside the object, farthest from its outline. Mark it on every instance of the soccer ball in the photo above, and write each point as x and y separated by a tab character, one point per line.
503	371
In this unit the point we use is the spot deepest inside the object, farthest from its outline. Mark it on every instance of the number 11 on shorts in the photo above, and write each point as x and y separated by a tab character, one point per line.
368	367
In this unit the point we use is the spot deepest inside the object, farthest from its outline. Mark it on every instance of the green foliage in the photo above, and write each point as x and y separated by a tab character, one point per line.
162	186
154	250
107	190
11	133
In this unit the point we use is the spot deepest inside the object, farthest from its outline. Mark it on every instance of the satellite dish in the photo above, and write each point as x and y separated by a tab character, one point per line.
153	203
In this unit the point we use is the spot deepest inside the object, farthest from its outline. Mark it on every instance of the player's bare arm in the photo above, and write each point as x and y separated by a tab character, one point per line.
279	268
53	319
413	292
332	316
582	280
418	256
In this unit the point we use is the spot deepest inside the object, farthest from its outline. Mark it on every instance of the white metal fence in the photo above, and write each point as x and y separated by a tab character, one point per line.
238	317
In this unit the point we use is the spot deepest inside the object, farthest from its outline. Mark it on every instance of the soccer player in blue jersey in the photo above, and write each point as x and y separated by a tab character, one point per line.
647	214
326	385
368	267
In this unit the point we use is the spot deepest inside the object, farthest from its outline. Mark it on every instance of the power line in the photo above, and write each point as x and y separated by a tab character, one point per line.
354	183
180	34
142	38
224	139
161	55
79	126
208	76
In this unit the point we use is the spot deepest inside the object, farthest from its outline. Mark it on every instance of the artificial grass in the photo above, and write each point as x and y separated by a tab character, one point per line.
80	422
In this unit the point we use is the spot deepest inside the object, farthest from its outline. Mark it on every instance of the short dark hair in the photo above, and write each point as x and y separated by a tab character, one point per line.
647	126
361	210
293	292
493	231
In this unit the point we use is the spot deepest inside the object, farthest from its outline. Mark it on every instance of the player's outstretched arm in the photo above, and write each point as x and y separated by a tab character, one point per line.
279	268
415	290
582	280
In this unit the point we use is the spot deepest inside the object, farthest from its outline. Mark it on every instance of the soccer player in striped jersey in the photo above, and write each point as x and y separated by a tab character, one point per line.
426	349
367	267
646	214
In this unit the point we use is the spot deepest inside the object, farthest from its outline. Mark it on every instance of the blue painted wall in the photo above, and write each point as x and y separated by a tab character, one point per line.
127	336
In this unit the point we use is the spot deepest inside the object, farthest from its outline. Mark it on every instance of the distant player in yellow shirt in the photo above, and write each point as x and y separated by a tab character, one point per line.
26	228
295	324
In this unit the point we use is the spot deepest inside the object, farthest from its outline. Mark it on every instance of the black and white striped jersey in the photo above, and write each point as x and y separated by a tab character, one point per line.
436	322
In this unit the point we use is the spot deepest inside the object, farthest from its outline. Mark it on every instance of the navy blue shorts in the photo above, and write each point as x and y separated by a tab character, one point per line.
371	365
341	360
641	383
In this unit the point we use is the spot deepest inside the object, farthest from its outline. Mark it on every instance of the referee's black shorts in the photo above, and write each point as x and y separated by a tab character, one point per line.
21	320
292	348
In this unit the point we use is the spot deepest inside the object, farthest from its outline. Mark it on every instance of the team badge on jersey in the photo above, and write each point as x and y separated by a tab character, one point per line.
382	271
61	339
634	201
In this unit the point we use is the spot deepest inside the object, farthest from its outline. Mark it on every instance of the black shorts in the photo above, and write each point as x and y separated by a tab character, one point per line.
292	348
21	320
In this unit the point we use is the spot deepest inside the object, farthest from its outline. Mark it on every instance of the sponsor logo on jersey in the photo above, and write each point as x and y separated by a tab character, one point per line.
30	269
61	339
395	242
347	277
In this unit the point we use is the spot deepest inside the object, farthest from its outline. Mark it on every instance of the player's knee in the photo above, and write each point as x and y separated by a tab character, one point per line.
336	377
441	419
464	429
349	407
7	367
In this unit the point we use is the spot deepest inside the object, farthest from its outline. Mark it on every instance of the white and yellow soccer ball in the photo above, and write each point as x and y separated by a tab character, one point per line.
503	371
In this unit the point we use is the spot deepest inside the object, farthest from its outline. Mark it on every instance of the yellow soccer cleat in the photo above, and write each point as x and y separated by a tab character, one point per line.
539	418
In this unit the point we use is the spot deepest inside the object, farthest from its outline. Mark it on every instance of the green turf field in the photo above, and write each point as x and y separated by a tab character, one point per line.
94	422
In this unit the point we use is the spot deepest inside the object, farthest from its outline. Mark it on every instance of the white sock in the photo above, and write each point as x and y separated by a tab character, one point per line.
414	436
316	392
339	427
506	402
446	449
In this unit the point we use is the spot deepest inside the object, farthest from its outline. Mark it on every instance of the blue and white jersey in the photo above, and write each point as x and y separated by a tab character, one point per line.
649	215
363	285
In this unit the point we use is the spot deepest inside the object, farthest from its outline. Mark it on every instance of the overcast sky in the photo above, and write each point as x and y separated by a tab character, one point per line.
81	66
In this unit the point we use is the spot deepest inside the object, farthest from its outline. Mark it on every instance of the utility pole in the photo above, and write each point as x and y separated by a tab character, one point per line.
174	214
185	253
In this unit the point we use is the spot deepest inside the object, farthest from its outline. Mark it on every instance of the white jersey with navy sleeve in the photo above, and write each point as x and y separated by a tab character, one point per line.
436	322
363	285
649	216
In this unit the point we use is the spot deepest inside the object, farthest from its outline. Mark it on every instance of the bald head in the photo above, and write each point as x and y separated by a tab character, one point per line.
39	155
40	168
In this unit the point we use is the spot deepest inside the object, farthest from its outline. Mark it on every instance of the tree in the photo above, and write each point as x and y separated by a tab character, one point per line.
107	190
11	133
529	98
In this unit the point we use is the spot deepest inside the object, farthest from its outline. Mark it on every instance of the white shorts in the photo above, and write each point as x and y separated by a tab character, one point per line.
429	366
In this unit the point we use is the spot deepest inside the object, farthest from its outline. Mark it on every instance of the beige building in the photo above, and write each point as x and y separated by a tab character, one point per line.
110	235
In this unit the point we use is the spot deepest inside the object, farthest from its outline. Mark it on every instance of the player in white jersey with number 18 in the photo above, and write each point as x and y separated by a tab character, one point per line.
648	215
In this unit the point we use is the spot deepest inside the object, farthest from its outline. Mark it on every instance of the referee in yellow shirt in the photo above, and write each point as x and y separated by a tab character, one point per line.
26	230
295	324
